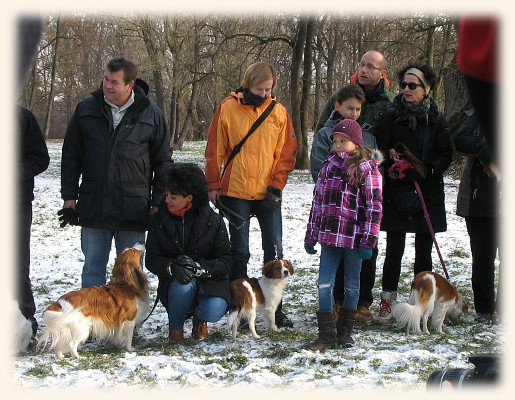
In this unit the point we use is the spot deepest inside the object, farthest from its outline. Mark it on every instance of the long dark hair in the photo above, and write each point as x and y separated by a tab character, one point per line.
185	179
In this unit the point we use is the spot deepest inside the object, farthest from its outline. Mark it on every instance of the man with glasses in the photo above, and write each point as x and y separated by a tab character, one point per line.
371	76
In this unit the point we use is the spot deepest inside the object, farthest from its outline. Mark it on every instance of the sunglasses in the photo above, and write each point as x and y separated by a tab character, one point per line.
411	85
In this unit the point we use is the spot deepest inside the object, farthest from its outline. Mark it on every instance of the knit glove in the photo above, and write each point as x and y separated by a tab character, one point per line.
68	216
272	199
365	253
310	248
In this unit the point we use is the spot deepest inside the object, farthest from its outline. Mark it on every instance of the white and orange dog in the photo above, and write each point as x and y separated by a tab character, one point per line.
431	295
110	311
258	295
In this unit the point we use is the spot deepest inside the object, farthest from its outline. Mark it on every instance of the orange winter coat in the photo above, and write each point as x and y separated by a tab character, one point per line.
266	158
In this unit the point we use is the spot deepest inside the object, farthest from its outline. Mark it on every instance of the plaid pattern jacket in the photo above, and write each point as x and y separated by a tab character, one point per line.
345	213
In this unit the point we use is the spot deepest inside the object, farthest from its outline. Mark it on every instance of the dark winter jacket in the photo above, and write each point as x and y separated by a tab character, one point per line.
479	195
377	102
322	144
34	153
119	169
202	235
438	157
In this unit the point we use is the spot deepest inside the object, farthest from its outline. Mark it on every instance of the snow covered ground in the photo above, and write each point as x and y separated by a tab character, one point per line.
383	357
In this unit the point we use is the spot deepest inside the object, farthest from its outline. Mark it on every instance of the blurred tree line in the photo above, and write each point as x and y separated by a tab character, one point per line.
191	62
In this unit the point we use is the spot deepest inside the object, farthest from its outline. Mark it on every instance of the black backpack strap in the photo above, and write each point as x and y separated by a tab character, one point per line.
254	126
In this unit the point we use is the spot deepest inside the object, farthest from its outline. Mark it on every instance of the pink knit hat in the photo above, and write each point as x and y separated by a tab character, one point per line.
350	129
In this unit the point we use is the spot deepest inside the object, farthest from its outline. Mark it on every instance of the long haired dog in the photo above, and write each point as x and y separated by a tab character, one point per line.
431	294
110	311
258	295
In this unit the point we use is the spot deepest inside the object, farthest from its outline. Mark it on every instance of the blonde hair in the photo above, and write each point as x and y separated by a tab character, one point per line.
257	73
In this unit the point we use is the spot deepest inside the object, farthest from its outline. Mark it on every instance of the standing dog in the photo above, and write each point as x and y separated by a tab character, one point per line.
110	311
261	295
431	294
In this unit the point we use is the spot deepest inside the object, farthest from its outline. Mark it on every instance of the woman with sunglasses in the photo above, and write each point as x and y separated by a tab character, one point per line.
414	134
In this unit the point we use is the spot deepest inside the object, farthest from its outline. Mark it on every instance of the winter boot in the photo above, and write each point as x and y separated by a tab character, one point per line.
199	330
344	326
176	336
363	314
326	336
388	299
281	320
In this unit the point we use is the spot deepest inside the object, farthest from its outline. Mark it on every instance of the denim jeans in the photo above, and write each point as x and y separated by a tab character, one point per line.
270	223
96	246
330	257
184	299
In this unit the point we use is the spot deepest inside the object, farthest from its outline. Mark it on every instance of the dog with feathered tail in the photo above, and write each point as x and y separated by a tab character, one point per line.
431	295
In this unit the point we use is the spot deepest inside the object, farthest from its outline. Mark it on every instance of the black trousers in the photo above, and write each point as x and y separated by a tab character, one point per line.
395	242
367	279
24	289
483	246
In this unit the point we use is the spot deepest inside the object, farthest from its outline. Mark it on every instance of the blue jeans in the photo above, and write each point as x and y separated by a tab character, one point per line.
330	257
96	246
184	299
271	233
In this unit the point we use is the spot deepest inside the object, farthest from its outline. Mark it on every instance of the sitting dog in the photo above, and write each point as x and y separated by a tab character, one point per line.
261	295
431	294
110	311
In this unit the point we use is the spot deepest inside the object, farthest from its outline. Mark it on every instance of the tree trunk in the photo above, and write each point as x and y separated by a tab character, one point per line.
52	79
302	161
298	49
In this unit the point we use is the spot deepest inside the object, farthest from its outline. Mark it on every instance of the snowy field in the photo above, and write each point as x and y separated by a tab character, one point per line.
383	359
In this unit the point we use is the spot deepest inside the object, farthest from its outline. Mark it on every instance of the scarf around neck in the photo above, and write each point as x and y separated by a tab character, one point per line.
424	112
250	98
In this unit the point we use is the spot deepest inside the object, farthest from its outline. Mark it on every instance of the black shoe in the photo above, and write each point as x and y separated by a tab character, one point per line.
282	321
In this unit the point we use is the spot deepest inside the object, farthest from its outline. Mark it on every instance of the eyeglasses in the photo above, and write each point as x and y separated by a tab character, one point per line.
368	66
411	85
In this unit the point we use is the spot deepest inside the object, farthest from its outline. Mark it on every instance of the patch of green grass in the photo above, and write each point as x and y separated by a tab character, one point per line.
40	370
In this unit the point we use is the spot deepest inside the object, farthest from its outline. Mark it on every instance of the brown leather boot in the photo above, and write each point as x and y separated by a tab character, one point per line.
344	327
176	336
199	331
326	337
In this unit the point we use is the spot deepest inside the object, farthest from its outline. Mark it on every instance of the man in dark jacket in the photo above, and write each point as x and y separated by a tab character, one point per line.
34	160
479	201
118	144
371	76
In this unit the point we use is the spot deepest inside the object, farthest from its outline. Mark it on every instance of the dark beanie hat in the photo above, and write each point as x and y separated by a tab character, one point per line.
350	129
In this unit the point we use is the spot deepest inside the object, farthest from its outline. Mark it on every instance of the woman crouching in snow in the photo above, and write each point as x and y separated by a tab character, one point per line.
345	218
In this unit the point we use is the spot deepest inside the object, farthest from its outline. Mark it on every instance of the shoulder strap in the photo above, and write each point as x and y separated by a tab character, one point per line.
254	126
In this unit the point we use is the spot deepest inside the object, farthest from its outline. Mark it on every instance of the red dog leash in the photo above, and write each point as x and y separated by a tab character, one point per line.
428	220
398	171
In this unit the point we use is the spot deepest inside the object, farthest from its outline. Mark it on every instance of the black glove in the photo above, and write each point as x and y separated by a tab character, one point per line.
181	274
196	269
68	216
272	199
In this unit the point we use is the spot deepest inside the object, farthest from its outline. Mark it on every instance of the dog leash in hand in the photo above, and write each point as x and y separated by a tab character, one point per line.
426	215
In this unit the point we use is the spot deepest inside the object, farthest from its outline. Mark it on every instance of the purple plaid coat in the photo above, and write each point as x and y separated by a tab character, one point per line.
345	213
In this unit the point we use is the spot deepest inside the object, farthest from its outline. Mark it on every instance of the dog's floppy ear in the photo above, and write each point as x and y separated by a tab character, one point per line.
125	268
268	269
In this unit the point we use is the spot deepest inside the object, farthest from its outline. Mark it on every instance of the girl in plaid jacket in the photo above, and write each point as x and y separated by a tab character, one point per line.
345	219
